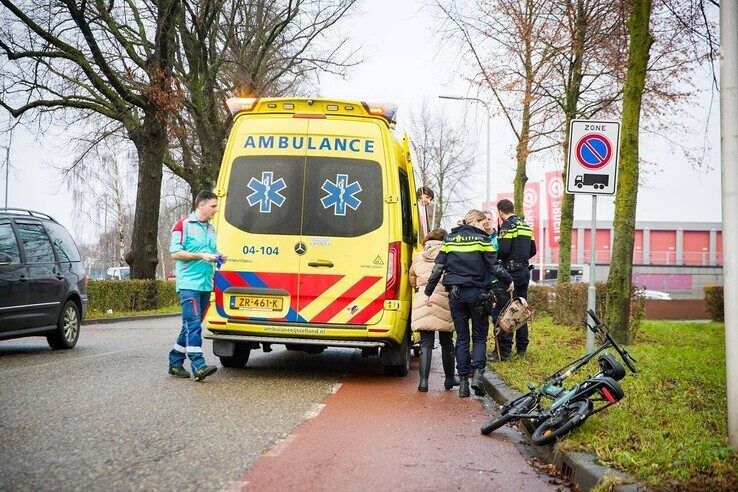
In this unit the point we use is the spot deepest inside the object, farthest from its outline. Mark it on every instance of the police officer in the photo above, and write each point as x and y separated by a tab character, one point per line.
516	247
469	261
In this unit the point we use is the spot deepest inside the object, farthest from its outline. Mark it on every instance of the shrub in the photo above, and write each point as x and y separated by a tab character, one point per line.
714	302
130	295
570	305
541	299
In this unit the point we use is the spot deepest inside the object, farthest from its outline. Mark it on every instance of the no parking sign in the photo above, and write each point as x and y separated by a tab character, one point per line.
593	157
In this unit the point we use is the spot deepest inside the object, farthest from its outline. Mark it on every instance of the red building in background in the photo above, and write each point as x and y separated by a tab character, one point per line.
675	257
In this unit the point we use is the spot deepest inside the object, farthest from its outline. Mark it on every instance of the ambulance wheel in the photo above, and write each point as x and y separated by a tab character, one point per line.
239	358
402	356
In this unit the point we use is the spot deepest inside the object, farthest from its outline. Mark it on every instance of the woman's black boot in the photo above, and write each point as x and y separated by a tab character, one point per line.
424	365
448	359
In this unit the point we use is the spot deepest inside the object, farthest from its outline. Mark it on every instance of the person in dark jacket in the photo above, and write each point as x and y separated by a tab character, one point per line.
517	245
468	263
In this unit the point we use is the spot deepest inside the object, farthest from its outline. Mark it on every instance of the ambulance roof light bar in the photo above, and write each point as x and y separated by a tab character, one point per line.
386	111
236	104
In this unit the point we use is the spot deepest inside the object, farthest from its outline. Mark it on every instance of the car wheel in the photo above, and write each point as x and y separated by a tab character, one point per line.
67	328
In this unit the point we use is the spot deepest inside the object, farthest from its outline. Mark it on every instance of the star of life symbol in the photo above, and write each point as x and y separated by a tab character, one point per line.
341	194
266	192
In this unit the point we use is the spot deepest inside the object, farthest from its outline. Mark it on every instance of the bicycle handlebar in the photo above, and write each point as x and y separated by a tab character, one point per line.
629	361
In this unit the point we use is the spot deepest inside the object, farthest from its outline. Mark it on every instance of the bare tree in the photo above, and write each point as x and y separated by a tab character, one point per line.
661	60
444	159
246	48
588	40
505	43
104	202
101	61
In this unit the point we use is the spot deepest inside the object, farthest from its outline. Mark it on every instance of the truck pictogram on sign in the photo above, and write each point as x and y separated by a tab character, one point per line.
597	181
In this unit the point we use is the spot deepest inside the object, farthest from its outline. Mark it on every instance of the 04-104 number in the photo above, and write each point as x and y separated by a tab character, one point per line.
264	250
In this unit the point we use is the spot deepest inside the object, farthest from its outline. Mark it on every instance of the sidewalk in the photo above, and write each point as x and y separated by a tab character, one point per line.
379	432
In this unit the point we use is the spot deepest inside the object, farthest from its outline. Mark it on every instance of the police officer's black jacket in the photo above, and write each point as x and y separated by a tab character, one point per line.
468	258
516	242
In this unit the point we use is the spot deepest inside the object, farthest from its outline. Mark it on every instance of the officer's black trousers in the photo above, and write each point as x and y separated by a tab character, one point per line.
521	278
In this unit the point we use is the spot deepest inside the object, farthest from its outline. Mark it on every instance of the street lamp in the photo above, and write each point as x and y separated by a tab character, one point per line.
489	120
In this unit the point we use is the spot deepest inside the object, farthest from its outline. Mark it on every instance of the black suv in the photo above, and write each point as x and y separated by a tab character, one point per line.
43	286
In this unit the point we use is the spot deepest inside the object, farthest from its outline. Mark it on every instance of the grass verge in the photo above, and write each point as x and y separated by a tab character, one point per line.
670	430
96	314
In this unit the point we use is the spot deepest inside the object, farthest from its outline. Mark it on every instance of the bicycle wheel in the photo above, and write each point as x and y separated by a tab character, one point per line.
571	416
508	416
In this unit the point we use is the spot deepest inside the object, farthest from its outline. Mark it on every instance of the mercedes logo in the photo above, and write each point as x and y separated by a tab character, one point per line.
300	248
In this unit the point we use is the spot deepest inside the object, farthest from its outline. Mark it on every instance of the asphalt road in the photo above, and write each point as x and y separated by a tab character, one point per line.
106	415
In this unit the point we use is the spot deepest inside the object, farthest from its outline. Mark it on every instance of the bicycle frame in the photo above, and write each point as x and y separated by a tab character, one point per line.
552	388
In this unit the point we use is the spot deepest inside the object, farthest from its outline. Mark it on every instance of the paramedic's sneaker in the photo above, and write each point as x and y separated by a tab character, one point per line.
180	372
205	372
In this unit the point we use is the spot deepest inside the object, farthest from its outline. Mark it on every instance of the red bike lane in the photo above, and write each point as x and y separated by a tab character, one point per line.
379	432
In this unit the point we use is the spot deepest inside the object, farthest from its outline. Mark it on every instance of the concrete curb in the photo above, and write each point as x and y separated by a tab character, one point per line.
104	321
581	468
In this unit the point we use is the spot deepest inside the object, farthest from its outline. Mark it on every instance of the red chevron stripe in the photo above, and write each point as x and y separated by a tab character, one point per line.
343	300
234	279
368	312
313	286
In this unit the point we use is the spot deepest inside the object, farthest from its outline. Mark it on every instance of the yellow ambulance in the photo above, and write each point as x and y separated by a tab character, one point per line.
318	219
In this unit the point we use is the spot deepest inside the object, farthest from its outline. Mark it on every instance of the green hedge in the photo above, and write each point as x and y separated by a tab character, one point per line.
568	304
130	295
541	299
714	302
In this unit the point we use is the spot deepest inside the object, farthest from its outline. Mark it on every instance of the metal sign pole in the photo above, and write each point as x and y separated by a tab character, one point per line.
729	161
592	290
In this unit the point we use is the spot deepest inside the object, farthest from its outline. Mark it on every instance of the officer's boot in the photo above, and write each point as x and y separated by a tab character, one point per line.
478	381
424	365
464	386
447	357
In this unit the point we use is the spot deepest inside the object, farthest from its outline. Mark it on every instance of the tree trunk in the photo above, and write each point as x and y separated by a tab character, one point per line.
563	275
621	266
570	113
521	156
151	144
151	141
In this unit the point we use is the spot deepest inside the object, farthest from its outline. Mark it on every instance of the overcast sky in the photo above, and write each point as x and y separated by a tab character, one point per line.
406	64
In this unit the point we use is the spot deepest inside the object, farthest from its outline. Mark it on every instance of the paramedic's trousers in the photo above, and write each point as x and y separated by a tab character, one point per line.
521	278
463	308
189	342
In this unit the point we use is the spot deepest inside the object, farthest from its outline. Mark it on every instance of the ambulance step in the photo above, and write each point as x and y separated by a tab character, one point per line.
295	341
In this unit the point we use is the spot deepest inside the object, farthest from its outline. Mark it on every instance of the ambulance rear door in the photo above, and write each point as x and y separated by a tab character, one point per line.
343	272
261	233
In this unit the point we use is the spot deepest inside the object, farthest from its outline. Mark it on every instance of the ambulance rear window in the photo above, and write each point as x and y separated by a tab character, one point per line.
343	197
265	194
317	196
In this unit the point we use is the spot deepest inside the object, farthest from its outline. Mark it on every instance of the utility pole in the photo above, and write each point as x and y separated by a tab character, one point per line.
729	165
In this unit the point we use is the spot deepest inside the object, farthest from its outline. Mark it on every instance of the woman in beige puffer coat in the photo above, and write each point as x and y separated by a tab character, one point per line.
427	320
